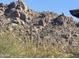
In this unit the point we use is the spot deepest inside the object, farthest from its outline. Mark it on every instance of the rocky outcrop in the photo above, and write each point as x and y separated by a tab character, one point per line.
57	30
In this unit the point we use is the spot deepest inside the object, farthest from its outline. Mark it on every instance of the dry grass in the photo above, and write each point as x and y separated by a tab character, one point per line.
11	46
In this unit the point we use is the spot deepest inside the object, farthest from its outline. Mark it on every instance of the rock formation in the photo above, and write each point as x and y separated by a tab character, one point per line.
40	27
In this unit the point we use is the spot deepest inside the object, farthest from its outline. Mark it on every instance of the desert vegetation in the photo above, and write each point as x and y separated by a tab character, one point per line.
27	33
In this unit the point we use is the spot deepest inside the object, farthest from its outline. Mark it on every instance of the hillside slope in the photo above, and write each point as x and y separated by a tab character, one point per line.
27	33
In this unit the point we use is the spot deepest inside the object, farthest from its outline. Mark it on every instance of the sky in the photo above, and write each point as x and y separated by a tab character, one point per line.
57	6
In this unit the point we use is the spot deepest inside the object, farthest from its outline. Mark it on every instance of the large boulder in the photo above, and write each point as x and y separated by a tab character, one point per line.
12	5
58	21
1	6
39	22
22	16
11	13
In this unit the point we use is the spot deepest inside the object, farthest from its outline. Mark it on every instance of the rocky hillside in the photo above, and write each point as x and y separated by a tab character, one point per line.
52	35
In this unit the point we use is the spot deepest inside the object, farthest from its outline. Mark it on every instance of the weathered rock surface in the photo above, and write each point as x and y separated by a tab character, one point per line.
58	30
